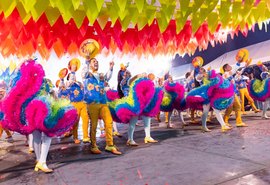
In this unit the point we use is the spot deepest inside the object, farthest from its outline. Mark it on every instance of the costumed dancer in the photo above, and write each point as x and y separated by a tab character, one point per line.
100	122
173	98
189	85
62	91
28	109
143	100
241	85
151	110
166	76
5	83
124	87
145	116
215	92
120	76
112	95
3	89
106	89
202	78
197	63
94	96
76	96
228	71
124	83
259	90
161	85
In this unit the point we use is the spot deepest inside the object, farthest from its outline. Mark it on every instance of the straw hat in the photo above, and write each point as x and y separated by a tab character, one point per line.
197	61
151	76
243	54
63	73
89	48
74	61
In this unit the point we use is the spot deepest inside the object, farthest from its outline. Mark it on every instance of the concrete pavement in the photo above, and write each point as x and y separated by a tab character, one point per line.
241	156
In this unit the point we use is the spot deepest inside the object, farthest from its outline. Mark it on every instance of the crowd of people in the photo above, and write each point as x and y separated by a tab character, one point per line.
31	106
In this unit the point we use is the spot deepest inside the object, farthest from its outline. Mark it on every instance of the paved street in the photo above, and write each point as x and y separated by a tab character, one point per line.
241	156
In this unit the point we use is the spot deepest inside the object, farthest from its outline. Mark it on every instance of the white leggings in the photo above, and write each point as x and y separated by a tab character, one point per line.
180	115
132	124
115	127
265	106
42	145
206	109
30	140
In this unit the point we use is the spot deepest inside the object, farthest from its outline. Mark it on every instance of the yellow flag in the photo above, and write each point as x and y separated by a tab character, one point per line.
127	20
150	13
121	4
212	19
28	5
224	9
39	9
180	21
24	16
139	5
162	22
78	17
142	21
12	66
184	6
52	15
103	19
8	6
267	2
76	4
91	10
66	9
112	13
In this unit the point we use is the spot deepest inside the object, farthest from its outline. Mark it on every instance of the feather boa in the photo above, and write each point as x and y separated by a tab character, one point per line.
197	97
154	106
141	92
218	92
183	105
112	107
24	110
223	95
112	95
180	90
167	102
174	94
259	90
25	88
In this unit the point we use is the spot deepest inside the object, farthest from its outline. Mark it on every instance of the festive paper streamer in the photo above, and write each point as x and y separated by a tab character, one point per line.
29	28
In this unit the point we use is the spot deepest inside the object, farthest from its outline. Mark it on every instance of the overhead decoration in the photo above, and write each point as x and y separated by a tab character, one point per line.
141	12
148	27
